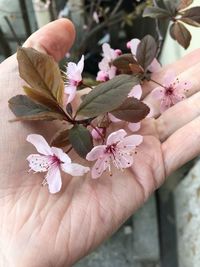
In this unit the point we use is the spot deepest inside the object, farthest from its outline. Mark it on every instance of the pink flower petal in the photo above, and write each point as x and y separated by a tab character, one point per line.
100	166
104	65
154	66
40	144
116	137
74	169
136	92
102	76
80	64
113	118
96	152
177	98
39	163
134	45
53	178
169	77
131	141
95	133
71	69
71	91
63	157
183	86
123	160
112	72
134	127
158	92
108	52
166	103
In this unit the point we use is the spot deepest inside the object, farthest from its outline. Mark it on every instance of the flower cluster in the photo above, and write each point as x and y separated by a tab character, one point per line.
115	98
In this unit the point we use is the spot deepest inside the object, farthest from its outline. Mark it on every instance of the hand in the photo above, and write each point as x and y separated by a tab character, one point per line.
39	229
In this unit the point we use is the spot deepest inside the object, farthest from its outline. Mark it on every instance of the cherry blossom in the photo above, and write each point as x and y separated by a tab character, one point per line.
52	160
107	70
74	78
118	150
172	91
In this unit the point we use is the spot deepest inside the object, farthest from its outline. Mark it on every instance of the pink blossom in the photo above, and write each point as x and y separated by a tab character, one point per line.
106	70
95	17
136	92
172	92
52	161
97	133
118	150
74	78
133	45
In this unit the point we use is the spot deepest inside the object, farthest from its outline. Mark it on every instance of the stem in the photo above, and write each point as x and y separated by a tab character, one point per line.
86	85
116	7
151	80
99	133
115	19
69	149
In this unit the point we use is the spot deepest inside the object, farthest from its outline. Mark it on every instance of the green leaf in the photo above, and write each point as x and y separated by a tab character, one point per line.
122	62
156	13
132	110
81	140
146	51
61	138
26	109
41	72
184	3
180	33
192	16
107	96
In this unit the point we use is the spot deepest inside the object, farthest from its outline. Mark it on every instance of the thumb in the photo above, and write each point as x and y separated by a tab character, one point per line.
55	38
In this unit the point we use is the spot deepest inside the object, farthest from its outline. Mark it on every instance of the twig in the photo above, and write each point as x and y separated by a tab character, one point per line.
159	34
4	44
116	19
25	17
12	31
116	7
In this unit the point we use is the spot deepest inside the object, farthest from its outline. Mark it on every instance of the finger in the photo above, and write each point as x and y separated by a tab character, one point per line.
182	146
178	116
192	72
55	38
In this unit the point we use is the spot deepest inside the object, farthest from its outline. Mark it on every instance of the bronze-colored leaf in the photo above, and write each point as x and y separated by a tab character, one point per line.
42	116
190	22
61	138
41	72
26	109
184	3
42	98
136	69
180	33
81	140
122	62
132	110
192	16
146	51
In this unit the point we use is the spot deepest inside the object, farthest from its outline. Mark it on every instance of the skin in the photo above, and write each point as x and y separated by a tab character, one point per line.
38	229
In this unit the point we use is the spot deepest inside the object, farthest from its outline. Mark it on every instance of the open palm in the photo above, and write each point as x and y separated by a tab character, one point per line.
39	229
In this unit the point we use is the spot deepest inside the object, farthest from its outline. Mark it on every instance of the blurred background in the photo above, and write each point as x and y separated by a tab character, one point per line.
165	232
